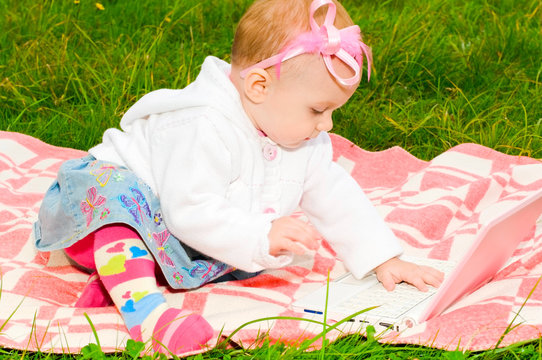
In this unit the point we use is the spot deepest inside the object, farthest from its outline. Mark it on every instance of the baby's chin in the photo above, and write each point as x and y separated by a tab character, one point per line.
293	145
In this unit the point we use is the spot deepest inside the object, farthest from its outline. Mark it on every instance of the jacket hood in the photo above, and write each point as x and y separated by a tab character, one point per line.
222	95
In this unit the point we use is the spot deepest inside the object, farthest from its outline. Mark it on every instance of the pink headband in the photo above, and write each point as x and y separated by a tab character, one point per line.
327	40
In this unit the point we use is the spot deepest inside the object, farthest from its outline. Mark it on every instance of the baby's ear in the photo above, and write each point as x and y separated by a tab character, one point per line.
256	85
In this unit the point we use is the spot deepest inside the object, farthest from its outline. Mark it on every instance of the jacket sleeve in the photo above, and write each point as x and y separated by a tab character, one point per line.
340	210
193	167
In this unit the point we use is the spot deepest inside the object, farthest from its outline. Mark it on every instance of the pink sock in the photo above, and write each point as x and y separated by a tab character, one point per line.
177	331
126	269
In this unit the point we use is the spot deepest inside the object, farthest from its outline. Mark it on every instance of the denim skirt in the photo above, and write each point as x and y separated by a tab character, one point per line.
89	194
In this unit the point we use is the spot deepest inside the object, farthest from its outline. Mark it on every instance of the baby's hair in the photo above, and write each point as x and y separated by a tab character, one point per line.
269	25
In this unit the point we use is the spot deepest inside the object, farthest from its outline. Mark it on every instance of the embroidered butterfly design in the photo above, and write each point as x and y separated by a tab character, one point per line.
103	174
92	202
204	269
136	204
160	239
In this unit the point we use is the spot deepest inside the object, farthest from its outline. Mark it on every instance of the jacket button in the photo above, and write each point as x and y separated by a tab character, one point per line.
269	152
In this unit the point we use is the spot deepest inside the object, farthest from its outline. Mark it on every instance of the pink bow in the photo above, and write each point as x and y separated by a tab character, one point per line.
329	41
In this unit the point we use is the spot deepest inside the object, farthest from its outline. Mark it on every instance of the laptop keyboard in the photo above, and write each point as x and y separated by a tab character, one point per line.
394	303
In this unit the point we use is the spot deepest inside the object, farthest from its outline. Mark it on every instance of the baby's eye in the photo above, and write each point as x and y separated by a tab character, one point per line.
317	111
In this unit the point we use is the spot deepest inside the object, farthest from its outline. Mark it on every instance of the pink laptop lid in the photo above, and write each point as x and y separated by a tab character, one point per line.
493	248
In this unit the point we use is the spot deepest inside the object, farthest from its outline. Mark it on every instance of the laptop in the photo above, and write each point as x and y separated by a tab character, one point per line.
504	227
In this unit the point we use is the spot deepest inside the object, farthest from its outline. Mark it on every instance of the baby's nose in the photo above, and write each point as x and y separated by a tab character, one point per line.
325	125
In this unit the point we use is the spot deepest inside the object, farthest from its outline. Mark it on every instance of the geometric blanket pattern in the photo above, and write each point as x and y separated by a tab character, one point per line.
434	207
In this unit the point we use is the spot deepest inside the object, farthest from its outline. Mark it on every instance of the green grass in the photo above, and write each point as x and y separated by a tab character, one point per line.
445	72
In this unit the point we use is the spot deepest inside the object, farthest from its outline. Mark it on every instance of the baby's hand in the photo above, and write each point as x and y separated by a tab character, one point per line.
291	234
396	270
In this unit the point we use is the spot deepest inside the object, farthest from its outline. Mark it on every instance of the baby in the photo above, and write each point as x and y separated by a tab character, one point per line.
201	182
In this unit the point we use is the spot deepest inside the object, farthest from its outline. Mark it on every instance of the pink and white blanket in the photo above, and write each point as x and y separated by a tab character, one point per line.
434	208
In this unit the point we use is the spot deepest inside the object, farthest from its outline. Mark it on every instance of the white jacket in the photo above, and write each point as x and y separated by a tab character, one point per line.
221	184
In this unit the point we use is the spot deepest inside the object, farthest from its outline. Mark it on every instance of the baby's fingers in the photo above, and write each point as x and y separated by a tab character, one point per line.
305	234
426	276
293	246
432	276
387	280
419	283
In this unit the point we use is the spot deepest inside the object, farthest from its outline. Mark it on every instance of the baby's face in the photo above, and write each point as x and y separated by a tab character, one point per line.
300	103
